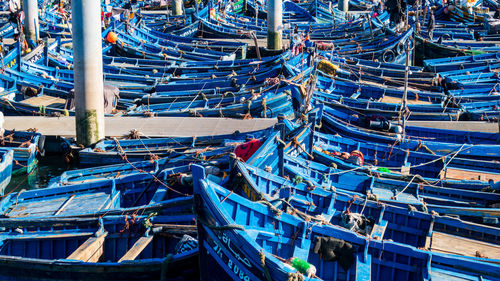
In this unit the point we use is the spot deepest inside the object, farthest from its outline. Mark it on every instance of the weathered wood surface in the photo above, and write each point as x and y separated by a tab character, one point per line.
152	127
451	244
459	174
49	101
470	126
91	250
137	248
176	229
63	205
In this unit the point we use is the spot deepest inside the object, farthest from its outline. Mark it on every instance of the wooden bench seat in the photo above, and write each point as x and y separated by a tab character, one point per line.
47	101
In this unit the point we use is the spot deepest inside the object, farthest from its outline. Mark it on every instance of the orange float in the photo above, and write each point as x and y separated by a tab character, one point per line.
111	37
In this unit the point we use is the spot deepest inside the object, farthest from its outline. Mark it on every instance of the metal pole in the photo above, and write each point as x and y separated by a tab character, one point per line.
274	24
178	4
31	27
87	56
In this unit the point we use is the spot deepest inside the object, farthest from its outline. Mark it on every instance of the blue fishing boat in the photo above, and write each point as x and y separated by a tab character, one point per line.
86	175
462	62
25	145
240	239
148	247
440	141
6	163
108	152
425	164
471	200
361	215
269	104
125	194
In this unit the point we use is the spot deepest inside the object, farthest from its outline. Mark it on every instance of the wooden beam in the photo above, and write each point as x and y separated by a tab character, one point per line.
63	206
460	174
91	250
136	250
152	127
451	244
176	229
378	230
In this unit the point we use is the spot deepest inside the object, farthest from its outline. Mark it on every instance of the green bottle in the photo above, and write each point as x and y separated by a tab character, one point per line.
301	265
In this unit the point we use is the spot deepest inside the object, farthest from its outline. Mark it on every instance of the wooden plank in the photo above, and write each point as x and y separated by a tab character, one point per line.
137	248
451	244
152	127
91	250
175	229
363	267
43	236
64	205
470	126
44	100
459	174
378	230
388	99
82	203
43	207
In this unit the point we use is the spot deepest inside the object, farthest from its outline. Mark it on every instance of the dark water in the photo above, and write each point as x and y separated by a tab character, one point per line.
48	167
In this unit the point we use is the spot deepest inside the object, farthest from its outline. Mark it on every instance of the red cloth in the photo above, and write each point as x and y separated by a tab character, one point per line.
246	150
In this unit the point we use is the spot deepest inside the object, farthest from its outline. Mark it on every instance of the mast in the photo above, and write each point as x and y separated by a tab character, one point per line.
407	69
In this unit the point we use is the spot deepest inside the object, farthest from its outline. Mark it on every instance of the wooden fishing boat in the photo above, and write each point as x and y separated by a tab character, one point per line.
378	92
462	62
113	247
85	175
424	164
205	94
182	41
389	111
392	188
486	110
428	49
382	222
292	12
387	74
154	48
249	239
267	105
479	94
25	145
387	48
7	30
230	26
6	163
108	152
126	194
463	144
